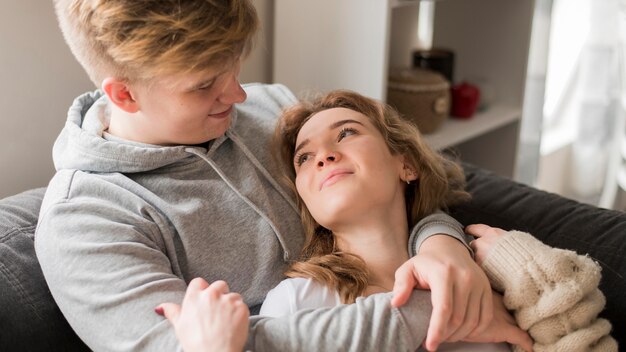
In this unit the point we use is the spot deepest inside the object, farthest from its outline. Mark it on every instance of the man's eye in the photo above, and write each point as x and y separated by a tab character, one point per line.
347	131
206	86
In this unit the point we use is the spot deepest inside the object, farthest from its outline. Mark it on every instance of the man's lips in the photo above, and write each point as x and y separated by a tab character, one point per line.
223	114
334	176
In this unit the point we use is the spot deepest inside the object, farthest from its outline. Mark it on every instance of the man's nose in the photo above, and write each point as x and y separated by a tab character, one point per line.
234	93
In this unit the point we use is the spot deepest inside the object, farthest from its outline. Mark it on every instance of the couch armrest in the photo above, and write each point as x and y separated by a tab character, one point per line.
558	222
29	317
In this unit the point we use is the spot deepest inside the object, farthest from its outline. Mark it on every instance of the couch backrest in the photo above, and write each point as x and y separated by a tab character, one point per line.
558	222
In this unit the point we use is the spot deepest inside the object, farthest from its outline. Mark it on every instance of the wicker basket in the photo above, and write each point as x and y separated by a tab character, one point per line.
420	95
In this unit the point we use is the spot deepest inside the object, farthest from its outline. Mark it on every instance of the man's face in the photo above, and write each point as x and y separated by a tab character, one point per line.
188	109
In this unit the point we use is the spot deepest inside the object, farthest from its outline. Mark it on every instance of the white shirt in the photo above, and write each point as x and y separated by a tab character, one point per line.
292	295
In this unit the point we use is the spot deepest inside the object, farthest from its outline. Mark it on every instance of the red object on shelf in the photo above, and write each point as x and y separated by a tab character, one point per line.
465	97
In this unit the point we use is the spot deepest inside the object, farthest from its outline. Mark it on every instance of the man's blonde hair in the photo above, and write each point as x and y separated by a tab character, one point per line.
139	39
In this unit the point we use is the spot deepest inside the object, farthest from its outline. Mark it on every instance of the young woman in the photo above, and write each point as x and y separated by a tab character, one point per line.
363	178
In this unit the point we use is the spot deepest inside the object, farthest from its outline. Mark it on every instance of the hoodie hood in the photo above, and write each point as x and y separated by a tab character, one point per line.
84	144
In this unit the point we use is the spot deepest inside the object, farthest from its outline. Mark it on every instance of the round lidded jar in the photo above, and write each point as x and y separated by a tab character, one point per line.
420	95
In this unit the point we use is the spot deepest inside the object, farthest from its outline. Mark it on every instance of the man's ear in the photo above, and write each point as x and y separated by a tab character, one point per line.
119	94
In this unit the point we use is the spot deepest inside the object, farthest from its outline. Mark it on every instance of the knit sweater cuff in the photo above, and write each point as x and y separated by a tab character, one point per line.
508	257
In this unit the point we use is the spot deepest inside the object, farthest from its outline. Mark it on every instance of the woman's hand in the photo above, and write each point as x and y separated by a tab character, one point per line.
211	318
487	237
503	328
461	294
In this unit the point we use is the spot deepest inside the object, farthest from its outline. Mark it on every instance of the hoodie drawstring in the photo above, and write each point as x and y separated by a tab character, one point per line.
230	184
262	169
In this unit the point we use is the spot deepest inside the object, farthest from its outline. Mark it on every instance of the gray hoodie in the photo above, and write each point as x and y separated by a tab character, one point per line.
125	226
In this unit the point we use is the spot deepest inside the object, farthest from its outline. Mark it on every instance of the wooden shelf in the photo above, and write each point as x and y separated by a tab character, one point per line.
455	131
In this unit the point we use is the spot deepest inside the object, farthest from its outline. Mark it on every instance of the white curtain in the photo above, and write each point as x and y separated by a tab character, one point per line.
614	190
581	125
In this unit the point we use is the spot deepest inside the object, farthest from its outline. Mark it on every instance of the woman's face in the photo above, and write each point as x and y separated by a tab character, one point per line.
344	170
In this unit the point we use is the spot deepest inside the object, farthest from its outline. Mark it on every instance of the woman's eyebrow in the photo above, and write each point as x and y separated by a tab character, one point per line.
343	122
331	127
300	146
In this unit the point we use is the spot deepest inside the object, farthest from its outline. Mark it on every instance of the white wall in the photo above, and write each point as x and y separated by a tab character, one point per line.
258	66
39	79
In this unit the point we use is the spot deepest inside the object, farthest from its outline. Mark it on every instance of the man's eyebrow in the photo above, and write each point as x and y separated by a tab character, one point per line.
331	127
207	81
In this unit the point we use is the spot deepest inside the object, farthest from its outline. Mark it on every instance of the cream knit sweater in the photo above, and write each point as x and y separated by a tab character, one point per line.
553	294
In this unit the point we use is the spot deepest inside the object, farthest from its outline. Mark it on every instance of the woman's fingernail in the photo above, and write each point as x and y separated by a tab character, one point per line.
159	310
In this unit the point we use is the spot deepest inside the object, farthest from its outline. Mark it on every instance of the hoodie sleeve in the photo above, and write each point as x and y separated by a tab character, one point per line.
107	270
437	224
380	326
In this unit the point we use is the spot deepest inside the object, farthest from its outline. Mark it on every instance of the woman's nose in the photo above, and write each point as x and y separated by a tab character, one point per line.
327	158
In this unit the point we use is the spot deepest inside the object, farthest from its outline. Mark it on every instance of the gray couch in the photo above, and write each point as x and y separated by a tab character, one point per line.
30	320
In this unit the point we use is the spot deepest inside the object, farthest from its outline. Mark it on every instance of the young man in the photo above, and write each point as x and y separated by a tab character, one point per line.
162	178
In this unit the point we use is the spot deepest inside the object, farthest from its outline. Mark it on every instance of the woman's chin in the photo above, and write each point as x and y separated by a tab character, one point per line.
333	213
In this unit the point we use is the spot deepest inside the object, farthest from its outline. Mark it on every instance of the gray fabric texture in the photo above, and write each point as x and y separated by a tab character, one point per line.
29	318
342	328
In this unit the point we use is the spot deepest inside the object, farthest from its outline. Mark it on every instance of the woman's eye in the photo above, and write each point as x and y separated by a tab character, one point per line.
347	131
302	158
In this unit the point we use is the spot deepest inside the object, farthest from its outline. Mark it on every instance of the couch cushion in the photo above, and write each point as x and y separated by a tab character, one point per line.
558	222
29	317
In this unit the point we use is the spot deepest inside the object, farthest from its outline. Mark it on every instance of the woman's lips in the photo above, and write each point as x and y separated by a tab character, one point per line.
223	114
333	177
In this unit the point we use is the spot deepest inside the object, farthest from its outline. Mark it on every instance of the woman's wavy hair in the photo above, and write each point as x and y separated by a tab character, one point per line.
440	184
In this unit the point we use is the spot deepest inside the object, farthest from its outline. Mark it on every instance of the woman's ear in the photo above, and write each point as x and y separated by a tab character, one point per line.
408	172
119	93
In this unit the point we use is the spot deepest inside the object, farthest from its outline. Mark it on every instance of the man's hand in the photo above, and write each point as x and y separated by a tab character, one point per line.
503	328
461	294
211	318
